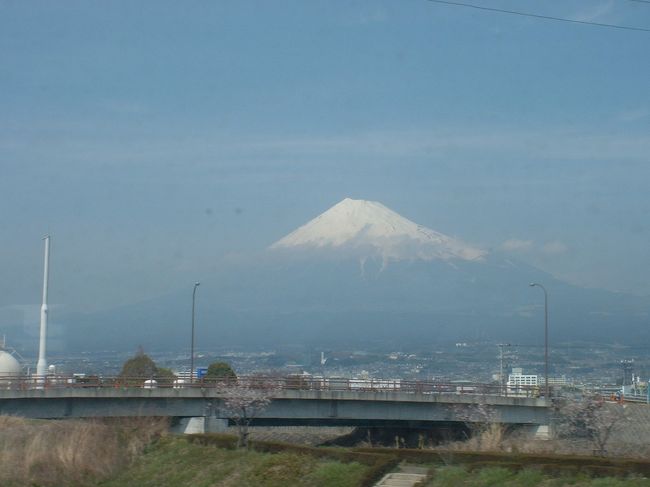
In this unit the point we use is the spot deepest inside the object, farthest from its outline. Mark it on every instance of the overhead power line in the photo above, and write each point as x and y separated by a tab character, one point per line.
538	16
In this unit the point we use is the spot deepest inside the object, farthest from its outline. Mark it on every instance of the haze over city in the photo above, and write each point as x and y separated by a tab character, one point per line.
159	145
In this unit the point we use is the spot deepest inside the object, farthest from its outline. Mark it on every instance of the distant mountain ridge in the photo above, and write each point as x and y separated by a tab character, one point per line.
361	274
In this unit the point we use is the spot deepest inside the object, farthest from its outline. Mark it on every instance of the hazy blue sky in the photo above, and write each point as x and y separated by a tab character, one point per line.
153	139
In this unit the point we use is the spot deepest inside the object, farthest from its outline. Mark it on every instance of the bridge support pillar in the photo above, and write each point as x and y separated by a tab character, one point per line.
199	424
189	426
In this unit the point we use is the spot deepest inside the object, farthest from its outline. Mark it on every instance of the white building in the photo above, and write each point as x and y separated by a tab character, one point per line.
520	383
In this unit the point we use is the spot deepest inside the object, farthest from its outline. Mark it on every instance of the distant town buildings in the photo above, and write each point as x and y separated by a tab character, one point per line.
518	382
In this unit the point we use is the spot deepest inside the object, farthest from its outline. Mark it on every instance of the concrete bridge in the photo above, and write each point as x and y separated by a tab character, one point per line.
379	408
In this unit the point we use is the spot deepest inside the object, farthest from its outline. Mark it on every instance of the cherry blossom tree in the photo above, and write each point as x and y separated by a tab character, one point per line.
591	418
242	402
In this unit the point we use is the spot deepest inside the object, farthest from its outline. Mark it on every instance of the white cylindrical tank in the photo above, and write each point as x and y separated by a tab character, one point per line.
10	369
9	366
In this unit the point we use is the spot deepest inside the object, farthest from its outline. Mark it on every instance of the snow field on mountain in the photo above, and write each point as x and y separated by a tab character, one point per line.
370	225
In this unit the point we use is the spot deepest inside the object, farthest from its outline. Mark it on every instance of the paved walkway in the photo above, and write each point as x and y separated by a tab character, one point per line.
406	476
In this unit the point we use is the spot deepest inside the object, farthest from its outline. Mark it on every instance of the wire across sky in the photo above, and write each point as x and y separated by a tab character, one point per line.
543	17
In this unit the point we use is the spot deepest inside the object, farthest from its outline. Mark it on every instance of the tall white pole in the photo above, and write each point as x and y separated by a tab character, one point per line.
41	366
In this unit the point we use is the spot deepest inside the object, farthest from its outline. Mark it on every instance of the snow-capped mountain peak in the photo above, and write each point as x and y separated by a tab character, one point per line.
369	225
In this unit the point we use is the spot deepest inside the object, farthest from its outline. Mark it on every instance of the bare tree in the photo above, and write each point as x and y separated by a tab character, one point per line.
591	418
482	421
243	401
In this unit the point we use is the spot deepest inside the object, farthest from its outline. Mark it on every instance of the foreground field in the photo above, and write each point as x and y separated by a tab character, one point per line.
176	462
139	452
180	462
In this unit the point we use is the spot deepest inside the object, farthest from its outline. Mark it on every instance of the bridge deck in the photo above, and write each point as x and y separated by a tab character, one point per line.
288	406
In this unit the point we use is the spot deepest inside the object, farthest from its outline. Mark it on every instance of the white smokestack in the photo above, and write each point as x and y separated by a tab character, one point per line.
41	366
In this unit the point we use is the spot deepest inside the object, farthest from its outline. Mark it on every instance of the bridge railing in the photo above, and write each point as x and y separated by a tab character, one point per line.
268	382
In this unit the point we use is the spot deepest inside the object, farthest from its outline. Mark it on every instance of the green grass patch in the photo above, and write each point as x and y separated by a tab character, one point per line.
460	476
177	462
450	476
527	478
494	476
339	474
212	461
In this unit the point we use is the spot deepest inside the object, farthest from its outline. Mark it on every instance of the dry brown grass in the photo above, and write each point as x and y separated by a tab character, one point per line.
490	438
495	438
72	452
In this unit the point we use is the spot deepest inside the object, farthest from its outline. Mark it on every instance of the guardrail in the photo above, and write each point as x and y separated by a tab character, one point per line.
268	382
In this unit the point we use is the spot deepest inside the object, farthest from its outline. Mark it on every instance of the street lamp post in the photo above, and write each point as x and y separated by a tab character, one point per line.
533	284
196	284
503	386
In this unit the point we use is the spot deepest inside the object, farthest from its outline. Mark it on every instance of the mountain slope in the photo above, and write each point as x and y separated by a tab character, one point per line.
270	300
371	227
360	274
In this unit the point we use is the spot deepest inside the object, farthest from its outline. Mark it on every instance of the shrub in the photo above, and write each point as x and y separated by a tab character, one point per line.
220	370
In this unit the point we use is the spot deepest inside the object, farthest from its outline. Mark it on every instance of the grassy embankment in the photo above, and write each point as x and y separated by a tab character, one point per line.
70	453
178	462
137	452
458	476
209	460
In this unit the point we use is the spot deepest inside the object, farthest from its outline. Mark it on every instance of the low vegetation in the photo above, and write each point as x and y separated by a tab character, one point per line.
141	367
220	371
459	476
213	460
70	453
177	462
138	452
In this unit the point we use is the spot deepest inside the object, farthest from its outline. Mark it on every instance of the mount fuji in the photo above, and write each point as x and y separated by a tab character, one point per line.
371	227
361	275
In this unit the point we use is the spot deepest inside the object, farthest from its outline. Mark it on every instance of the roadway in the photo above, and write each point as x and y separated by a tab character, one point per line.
303	405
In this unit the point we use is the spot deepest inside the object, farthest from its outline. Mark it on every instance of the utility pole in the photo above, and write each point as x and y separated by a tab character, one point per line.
533	284
628	376
196	284
503	388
